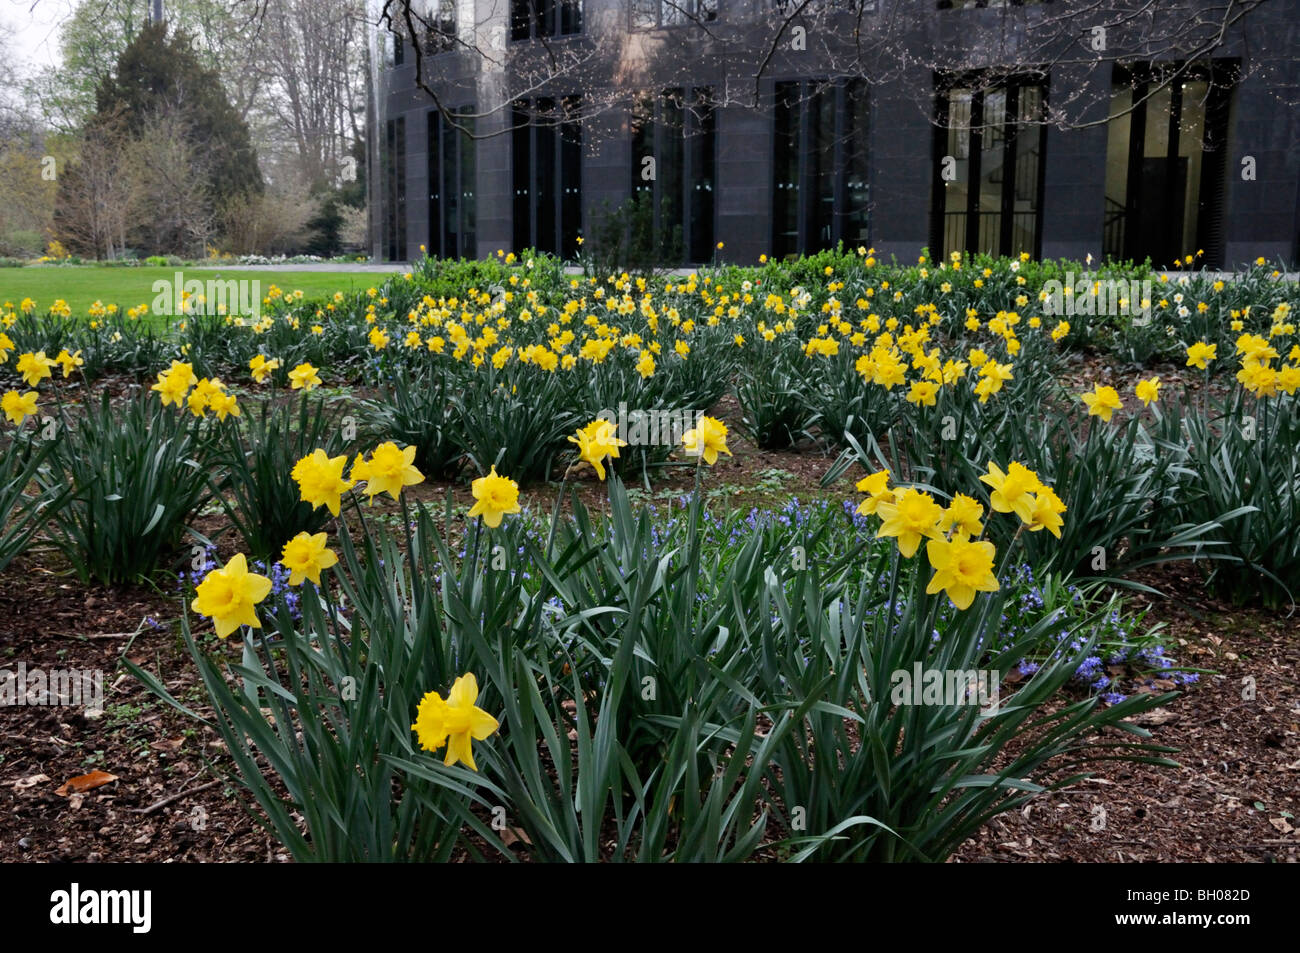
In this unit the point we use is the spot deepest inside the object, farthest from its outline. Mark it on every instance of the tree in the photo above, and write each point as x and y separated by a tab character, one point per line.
309	62
160	75
172	212
93	38
96	193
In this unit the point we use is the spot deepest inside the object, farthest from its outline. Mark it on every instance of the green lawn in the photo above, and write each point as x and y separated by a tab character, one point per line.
81	286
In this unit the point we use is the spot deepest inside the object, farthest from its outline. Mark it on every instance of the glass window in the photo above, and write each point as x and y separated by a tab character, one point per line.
678	131
988	181
981	4
394	164
1166	161
452	227
440	27
652	14
546	154
820	175
544	18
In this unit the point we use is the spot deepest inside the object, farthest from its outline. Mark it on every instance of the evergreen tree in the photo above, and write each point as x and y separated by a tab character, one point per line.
157	74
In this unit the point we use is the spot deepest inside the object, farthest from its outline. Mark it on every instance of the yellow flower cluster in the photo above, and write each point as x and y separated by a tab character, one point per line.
1257	374
961	560
321	481
174	386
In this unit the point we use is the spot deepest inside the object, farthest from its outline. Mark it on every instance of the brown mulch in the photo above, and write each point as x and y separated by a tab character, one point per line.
1233	798
49	621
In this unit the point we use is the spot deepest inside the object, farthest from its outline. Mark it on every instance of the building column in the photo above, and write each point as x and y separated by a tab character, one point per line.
743	196
901	164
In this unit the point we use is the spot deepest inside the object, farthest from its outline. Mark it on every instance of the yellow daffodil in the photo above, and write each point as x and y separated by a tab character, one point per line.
320	480
964	515
304	377
69	361
175	382
1259	379
305	556
34	368
262	368
876	486
1102	402
494	496
223	405
962	568
456	722
596	441
388	470
1288	378
1148	391
228	595
18	407
914	516
922	393
1045	512
1012	491
1200	354
707	439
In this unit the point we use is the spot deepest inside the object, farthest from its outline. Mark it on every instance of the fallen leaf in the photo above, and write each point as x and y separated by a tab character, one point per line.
1281	825
85	782
515	835
22	784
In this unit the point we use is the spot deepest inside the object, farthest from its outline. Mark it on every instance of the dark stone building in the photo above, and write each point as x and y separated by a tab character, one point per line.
980	125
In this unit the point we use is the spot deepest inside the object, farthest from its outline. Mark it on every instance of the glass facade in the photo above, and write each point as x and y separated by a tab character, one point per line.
988	166
820	176
674	165
652	14
546	172
451	157
440	28
1166	161
394	163
530	19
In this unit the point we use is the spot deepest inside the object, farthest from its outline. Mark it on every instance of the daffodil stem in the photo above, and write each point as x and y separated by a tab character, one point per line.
555	513
1006	557
406	526
473	553
893	580
286	717
693	550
